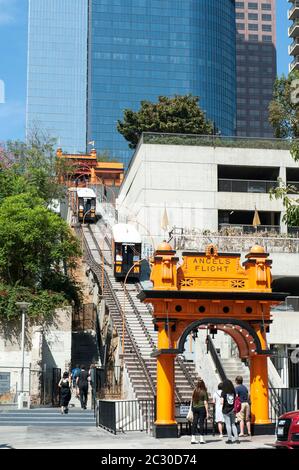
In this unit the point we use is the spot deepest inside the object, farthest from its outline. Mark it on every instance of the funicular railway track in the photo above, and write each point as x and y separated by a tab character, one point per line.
139	339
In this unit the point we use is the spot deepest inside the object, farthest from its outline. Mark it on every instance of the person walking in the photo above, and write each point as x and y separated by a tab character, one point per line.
82	384
244	414
75	374
200	411
65	392
228	399
219	419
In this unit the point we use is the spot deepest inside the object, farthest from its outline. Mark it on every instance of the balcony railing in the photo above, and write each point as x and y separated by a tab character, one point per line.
293	26
294	46
245	186
231	240
294	63
214	141
292	10
243	228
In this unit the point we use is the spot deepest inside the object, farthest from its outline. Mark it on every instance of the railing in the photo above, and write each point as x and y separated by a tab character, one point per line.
231	240
112	385
125	415
282	400
214	141
110	292
85	318
245	186
244	228
216	359
287	367
293	44
291	10
293	26
294	62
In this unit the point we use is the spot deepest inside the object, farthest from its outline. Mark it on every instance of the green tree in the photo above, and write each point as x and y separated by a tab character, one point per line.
283	110
36	162
34	242
284	118
180	114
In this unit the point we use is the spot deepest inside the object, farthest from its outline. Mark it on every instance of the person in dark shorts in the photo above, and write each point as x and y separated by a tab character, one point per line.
65	392
82	384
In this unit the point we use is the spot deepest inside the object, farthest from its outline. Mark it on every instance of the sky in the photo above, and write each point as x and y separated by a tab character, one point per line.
13	60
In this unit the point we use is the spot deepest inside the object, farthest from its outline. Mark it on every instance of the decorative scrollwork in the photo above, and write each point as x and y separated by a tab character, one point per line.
237	283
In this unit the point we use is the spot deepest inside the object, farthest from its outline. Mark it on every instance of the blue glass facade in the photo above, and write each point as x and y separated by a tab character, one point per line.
57	70
140	49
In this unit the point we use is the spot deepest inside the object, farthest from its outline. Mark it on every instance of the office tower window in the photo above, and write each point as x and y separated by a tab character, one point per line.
253	16
266	17
91	59
240	26
252	6
266	38
266	27
239	4
253	37
266	6
253	27
240	16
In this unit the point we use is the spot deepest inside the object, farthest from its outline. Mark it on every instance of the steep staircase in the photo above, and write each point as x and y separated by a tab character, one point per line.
140	338
233	367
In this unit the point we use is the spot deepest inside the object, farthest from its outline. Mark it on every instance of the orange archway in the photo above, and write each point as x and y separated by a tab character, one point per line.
211	288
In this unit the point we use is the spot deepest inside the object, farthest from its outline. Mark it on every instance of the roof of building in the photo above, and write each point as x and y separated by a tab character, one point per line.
125	233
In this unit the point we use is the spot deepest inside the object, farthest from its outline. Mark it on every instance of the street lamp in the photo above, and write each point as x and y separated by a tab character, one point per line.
23	306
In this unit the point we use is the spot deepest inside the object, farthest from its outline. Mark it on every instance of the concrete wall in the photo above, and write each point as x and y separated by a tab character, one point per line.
285	328
57	343
46	346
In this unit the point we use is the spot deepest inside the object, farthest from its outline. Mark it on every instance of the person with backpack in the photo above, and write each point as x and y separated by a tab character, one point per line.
82	384
228	396
65	392
244	413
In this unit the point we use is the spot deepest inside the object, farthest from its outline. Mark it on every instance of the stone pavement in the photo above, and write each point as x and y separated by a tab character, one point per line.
43	437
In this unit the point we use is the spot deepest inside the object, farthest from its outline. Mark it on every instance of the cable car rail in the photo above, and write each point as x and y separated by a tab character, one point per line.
119	292
116	310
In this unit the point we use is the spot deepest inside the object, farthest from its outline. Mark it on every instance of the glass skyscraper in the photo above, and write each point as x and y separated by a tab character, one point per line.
135	50
57	70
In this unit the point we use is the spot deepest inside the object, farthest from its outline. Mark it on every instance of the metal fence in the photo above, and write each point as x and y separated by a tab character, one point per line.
125	415
282	400
40	384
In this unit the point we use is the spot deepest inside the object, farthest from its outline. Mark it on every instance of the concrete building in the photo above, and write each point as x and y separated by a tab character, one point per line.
256	65
208	186
294	35
210	192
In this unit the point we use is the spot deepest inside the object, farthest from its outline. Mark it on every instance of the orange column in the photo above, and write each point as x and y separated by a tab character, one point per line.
165	380
259	393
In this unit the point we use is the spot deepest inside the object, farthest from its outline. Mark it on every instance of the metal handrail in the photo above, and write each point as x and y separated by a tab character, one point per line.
216	359
183	367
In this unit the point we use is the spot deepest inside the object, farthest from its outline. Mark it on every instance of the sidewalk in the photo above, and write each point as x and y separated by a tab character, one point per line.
35	437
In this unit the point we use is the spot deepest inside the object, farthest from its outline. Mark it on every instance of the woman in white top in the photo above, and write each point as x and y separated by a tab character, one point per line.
219	419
